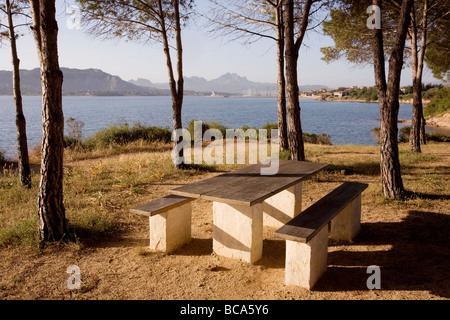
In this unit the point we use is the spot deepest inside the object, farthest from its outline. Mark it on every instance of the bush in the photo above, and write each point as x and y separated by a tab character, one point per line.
405	132
403	135
72	143
438	137
322	138
313	138
439	104
120	134
376	134
206	126
367	94
269	127
2	157
218	126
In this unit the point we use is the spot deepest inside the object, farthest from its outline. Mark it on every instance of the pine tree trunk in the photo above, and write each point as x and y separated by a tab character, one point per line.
414	136
423	136
176	86
296	145
423	47
282	124
22	144
178	124
392	184
388	94
52	222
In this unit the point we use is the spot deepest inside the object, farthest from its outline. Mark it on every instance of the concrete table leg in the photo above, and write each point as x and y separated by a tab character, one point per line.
306	262
282	207
171	229
346	225
238	231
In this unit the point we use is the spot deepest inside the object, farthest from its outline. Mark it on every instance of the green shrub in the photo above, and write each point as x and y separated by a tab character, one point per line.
405	132
368	94
439	104
438	137
313	138
285	155
218	126
120	134
206	126
270	126
376	134
72	143
2	157
245	128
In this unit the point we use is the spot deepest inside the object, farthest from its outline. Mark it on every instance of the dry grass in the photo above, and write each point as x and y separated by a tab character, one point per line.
408	239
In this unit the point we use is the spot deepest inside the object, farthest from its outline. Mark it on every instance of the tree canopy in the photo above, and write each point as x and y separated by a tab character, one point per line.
132	19
438	49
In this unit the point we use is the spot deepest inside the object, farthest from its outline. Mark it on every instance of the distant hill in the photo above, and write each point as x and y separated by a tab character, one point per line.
77	82
230	83
95	82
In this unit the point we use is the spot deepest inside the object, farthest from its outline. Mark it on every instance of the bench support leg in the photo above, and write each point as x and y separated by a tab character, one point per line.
282	207
306	262
346	225
171	229
238	231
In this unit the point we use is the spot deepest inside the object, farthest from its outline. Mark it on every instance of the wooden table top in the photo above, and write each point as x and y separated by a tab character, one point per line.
246	186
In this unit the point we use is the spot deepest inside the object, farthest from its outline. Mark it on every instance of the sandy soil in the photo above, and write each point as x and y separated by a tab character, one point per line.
440	122
414	261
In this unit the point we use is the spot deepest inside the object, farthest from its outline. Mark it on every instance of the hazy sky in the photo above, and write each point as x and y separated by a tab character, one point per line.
204	56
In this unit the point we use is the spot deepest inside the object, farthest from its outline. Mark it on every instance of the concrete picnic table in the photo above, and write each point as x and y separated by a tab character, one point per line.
244	201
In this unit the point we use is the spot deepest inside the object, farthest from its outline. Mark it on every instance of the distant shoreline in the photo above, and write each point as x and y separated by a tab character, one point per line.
408	101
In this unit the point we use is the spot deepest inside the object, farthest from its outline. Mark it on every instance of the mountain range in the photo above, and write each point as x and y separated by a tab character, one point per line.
76	82
230	83
96	82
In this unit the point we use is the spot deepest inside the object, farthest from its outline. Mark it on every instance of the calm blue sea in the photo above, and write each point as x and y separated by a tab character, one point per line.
345	122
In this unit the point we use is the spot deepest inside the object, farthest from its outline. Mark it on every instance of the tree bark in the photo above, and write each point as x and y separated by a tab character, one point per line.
52	221
417	134
417	115
388	94
282	124
22	144
423	137
176	86
180	79
296	144
423	47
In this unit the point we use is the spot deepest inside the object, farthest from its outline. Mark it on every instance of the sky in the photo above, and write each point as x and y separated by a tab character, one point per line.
205	55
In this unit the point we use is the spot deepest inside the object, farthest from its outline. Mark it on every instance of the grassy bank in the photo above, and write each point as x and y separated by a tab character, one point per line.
101	185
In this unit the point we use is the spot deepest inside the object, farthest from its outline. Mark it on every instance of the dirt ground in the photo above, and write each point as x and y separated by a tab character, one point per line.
414	262
408	241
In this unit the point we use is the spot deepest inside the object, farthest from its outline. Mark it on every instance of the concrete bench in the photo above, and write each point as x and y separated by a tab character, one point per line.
170	222
306	235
